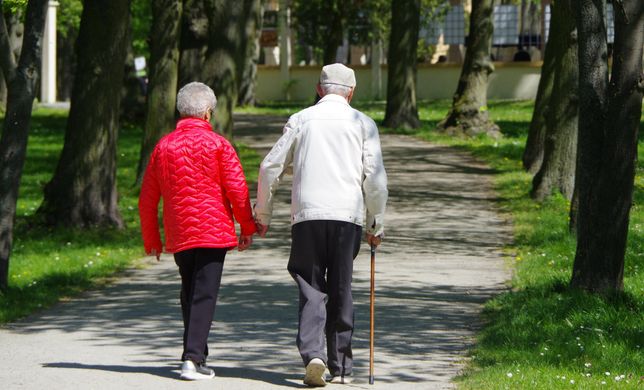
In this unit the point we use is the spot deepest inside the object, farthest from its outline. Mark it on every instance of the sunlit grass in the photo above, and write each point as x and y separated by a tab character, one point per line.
50	264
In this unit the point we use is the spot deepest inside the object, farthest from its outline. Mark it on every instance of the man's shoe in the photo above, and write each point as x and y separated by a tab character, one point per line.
192	372
314	376
341	379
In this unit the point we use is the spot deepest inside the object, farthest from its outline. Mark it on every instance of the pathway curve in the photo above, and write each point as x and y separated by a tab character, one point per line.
440	261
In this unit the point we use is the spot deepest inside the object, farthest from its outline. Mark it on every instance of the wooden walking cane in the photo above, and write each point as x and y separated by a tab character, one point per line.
372	301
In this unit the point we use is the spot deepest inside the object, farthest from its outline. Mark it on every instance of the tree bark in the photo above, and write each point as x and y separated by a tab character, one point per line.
469	113
533	153
609	124
401	108
220	67
194	41
22	80
162	79
334	14
557	171
83	190
16	30
248	56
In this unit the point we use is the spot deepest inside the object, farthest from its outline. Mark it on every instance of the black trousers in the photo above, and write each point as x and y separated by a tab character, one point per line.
200	270
321	262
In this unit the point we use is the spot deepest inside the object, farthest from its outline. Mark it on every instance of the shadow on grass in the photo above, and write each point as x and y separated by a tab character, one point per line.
554	325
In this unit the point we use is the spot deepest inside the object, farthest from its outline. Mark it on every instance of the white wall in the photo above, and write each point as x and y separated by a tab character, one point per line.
509	81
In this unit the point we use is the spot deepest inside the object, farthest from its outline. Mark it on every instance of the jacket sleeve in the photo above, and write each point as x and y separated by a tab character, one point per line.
374	184
234	183
272	169
149	208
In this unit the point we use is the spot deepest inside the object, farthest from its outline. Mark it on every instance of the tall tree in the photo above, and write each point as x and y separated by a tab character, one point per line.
83	191
469	114
220	67
557	170
162	77
323	24
533	153
248	56
194	41
22	79
608	124
401	108
13	14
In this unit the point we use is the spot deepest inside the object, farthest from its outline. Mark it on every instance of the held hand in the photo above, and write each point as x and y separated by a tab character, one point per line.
156	254
373	240
261	229
244	242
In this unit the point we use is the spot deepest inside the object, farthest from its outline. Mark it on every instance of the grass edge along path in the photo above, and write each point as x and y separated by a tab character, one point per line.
50	265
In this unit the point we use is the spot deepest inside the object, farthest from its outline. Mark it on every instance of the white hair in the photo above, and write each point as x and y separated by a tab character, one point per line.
195	99
336	89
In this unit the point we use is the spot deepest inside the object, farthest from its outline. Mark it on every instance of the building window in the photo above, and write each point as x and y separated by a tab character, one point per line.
506	25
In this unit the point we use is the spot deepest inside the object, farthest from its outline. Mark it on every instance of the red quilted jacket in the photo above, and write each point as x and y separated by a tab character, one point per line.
200	178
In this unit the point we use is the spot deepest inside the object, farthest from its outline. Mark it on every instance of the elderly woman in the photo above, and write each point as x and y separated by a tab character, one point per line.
200	178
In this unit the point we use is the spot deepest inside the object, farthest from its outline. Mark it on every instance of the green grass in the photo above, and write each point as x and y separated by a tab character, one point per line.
543	335
48	265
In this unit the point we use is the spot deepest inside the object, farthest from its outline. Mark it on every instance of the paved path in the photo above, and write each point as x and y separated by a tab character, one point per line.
441	260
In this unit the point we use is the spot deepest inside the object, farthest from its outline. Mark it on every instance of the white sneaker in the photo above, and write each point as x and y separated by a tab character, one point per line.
342	379
314	376
192	372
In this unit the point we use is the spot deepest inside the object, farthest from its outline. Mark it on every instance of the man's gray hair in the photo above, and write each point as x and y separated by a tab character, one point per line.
195	99
336	89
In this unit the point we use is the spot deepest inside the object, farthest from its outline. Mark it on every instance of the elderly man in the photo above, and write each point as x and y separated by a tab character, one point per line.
337	170
200	178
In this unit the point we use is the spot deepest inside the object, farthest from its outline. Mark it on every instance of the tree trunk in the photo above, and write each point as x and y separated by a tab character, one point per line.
162	84
83	189
557	171
401	77
220	68
65	64
16	30
469	113
248	56
609	119
193	43
335	30
22	80
533	153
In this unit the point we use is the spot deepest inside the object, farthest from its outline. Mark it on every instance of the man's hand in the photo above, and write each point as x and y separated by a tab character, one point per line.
244	242
261	229
373	240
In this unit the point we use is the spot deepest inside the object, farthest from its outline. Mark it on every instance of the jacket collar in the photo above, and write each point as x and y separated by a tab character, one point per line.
193	123
333	98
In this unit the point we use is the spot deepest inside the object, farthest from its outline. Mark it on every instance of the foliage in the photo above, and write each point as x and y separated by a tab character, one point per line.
14	5
50	264
69	16
141	24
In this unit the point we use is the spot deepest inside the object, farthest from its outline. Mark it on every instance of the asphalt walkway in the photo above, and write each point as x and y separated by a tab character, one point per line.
440	262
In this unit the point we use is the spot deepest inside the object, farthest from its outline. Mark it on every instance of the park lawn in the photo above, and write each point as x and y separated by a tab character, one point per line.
48	265
541	334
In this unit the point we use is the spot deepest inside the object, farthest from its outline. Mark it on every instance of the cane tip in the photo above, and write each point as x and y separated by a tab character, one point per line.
371	380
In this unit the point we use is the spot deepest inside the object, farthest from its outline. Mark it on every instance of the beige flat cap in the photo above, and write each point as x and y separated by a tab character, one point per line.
338	74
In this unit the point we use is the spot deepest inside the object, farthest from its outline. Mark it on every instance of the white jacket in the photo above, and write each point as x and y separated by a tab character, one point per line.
337	167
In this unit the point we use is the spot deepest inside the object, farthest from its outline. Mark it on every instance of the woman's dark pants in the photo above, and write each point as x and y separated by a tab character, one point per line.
200	270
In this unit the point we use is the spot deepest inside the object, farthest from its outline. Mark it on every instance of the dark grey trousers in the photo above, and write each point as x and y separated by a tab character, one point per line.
200	270
321	262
